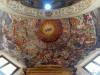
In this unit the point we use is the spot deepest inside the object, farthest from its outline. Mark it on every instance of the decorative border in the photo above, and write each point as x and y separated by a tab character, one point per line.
18	8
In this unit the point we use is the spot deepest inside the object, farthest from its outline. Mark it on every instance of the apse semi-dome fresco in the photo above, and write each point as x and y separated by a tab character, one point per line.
51	41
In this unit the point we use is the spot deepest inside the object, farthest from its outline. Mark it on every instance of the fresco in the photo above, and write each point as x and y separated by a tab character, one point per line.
49	30
5	21
54	41
55	3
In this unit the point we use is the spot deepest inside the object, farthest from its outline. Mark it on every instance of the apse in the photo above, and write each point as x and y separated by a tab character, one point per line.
48	36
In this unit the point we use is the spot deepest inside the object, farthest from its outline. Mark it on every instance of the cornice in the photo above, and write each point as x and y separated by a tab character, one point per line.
16	8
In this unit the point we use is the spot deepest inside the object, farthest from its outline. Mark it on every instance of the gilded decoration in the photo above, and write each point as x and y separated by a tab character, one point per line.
49	30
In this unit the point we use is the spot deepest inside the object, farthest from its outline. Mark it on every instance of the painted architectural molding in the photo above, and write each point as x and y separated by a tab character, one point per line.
16	8
85	60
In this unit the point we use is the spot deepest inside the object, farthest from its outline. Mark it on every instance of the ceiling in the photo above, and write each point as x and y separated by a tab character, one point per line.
19	7
42	41
39	4
54	41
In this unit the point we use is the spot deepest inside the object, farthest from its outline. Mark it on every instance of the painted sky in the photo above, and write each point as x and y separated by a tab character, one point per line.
47	1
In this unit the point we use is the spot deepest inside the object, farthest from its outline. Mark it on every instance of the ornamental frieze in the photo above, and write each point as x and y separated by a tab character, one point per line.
17	7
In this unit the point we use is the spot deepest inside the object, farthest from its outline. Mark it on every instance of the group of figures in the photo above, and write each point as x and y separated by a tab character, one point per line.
52	41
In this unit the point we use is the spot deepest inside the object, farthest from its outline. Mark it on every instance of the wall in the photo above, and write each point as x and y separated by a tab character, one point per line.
4	17
92	54
80	70
15	61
